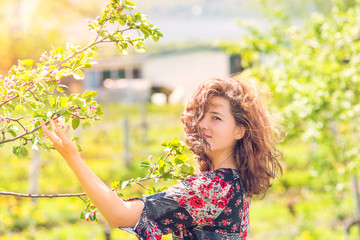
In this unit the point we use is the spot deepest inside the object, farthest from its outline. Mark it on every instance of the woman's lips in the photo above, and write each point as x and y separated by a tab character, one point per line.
206	136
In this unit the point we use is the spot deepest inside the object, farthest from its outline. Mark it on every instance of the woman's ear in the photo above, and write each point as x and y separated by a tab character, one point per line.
239	132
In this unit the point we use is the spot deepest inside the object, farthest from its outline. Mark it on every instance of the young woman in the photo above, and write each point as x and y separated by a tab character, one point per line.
232	136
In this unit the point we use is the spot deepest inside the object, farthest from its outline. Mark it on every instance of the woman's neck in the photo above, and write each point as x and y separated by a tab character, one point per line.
221	160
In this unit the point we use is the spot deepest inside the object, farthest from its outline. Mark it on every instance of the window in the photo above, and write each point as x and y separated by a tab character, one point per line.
235	64
121	73
106	74
136	73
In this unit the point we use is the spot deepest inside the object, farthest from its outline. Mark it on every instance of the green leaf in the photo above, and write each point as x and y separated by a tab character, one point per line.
86	125
20	109
12	132
145	31
99	111
186	168
28	62
129	3
115	184
78	74
75	123
60	74
66	115
78	101
79	148
179	159
63	101
52	101
174	142
145	164
89	95
20	151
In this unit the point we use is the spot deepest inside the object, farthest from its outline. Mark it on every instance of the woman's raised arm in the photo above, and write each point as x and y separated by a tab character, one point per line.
117	212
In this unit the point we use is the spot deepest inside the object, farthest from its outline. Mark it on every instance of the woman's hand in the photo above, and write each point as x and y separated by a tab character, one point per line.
60	139
117	212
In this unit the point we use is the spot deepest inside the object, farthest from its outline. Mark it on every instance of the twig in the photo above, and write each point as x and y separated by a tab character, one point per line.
143	186
34	95
30	195
26	133
16	96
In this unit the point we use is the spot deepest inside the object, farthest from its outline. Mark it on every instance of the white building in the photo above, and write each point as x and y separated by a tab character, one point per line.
174	73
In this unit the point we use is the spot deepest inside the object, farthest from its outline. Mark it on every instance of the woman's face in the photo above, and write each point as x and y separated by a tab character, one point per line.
219	128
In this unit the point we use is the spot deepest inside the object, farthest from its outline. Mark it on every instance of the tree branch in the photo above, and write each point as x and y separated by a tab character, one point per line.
30	195
26	133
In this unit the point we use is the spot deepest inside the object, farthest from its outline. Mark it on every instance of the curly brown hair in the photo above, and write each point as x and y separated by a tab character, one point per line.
256	156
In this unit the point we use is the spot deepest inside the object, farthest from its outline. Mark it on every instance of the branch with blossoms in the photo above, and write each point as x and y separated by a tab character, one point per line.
173	166
31	92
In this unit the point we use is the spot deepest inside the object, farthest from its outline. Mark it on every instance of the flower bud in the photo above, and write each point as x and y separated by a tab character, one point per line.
44	73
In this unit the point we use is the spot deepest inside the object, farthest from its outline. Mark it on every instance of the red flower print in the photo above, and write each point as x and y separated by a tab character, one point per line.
222	203
196	202
206	194
244	218
227	211
191	193
235	227
194	212
182	201
216	179
206	187
244	234
225	222
230	193
166	221
223	183
202	221
180	226
238	201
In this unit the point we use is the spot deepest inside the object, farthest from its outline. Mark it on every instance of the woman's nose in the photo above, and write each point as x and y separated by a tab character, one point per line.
202	123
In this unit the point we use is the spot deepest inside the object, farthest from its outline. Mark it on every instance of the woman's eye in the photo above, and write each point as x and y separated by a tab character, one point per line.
216	118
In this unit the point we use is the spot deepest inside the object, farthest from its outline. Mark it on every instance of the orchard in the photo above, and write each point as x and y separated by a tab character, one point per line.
32	91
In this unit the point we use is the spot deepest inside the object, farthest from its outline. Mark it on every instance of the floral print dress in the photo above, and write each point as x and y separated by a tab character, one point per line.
208	205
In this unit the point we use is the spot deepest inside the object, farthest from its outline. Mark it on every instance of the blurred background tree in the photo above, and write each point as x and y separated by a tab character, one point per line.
313	71
29	27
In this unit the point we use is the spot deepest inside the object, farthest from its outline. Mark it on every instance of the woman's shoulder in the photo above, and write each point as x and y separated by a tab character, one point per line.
227	174
223	177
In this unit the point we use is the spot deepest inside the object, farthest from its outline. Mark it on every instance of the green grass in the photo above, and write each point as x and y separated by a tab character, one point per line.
299	206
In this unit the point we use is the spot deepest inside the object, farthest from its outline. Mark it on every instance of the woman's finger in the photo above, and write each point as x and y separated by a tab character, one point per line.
53	125
47	132
67	131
